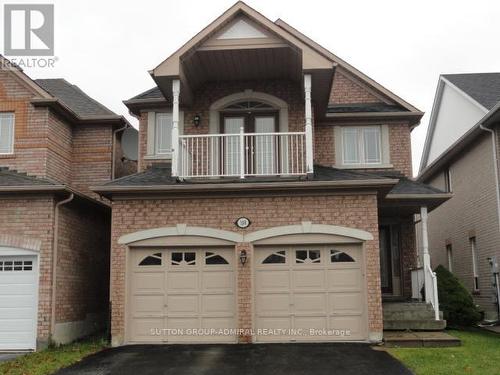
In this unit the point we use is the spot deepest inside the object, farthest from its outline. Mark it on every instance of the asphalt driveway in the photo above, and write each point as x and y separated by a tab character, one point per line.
261	359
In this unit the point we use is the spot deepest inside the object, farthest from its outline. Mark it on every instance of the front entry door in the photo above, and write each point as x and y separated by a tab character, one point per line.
390	260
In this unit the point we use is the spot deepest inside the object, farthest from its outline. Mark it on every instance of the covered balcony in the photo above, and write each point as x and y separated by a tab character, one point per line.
248	137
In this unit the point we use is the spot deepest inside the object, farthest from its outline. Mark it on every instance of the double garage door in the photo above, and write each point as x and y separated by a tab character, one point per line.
301	293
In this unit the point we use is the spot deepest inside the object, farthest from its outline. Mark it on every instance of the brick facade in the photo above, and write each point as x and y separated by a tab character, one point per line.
31	218
47	145
355	211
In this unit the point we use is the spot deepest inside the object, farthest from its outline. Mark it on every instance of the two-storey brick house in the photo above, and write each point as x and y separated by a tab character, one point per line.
274	199
54	232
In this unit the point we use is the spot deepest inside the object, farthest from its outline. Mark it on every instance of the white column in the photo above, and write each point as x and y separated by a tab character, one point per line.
429	289
176	88
308	110
242	152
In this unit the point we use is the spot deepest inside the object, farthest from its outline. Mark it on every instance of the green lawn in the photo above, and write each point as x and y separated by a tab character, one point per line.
52	359
479	354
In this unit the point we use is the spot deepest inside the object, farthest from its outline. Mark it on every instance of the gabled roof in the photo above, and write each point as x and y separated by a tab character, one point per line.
311	59
74	98
482	87
64	98
491	119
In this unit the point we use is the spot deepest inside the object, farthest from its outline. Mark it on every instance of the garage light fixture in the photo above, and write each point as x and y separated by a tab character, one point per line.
243	257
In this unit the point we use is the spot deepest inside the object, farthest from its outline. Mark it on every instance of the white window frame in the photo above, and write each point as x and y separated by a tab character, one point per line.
11	148
151	141
157	138
449	257
475	269
383	145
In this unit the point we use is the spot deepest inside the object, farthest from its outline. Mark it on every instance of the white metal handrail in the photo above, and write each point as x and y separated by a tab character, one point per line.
242	155
434	297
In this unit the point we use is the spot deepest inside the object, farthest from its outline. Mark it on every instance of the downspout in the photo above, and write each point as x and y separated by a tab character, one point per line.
495	159
54	263
113	150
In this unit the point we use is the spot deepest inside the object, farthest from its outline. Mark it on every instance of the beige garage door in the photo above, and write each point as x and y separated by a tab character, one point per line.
181	295
310	293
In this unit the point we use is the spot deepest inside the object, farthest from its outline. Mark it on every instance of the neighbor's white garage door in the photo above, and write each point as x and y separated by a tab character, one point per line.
179	295
18	302
310	293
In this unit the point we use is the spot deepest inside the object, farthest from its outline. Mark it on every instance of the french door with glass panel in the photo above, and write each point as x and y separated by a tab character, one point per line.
261	150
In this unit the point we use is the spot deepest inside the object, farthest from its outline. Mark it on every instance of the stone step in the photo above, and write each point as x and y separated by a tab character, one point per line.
405	306
414	325
408	315
408	339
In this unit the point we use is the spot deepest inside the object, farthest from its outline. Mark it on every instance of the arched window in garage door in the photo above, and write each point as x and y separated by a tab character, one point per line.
151	260
213	259
338	256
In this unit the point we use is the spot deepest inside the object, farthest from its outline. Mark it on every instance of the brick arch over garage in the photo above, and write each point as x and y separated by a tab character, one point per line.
19	242
309	231
181	234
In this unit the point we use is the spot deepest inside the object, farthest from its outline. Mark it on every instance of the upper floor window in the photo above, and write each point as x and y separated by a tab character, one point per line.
6	133
163	133
361	145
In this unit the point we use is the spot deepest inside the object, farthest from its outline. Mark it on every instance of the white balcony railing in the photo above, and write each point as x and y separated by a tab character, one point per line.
242	155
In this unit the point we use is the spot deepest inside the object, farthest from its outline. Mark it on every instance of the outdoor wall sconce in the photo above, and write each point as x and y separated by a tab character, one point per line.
197	120
243	257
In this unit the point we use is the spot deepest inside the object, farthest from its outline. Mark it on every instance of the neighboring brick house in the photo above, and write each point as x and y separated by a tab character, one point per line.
274	195
461	156
54	232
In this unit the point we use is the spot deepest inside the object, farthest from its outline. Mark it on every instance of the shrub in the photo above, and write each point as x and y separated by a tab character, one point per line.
454	300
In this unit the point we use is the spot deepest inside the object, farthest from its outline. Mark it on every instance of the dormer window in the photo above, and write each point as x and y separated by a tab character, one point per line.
6	133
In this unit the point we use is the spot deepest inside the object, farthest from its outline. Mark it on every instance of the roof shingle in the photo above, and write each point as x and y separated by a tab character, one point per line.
9	177
482	87
74	98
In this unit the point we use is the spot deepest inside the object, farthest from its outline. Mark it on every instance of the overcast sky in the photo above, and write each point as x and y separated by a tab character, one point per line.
107	47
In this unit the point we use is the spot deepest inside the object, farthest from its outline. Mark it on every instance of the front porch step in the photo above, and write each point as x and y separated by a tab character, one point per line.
417	316
414	325
408	339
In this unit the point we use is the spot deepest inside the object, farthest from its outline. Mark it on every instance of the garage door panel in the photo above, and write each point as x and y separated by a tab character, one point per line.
218	280
148	304
310	322
183	322
179	304
308	279
351	323
345	302
147	329
217	303
268	280
217	323
310	303
13	312
342	279
273	303
182	281
147	282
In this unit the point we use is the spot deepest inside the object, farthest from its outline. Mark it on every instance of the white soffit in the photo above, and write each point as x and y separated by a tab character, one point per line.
241	29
